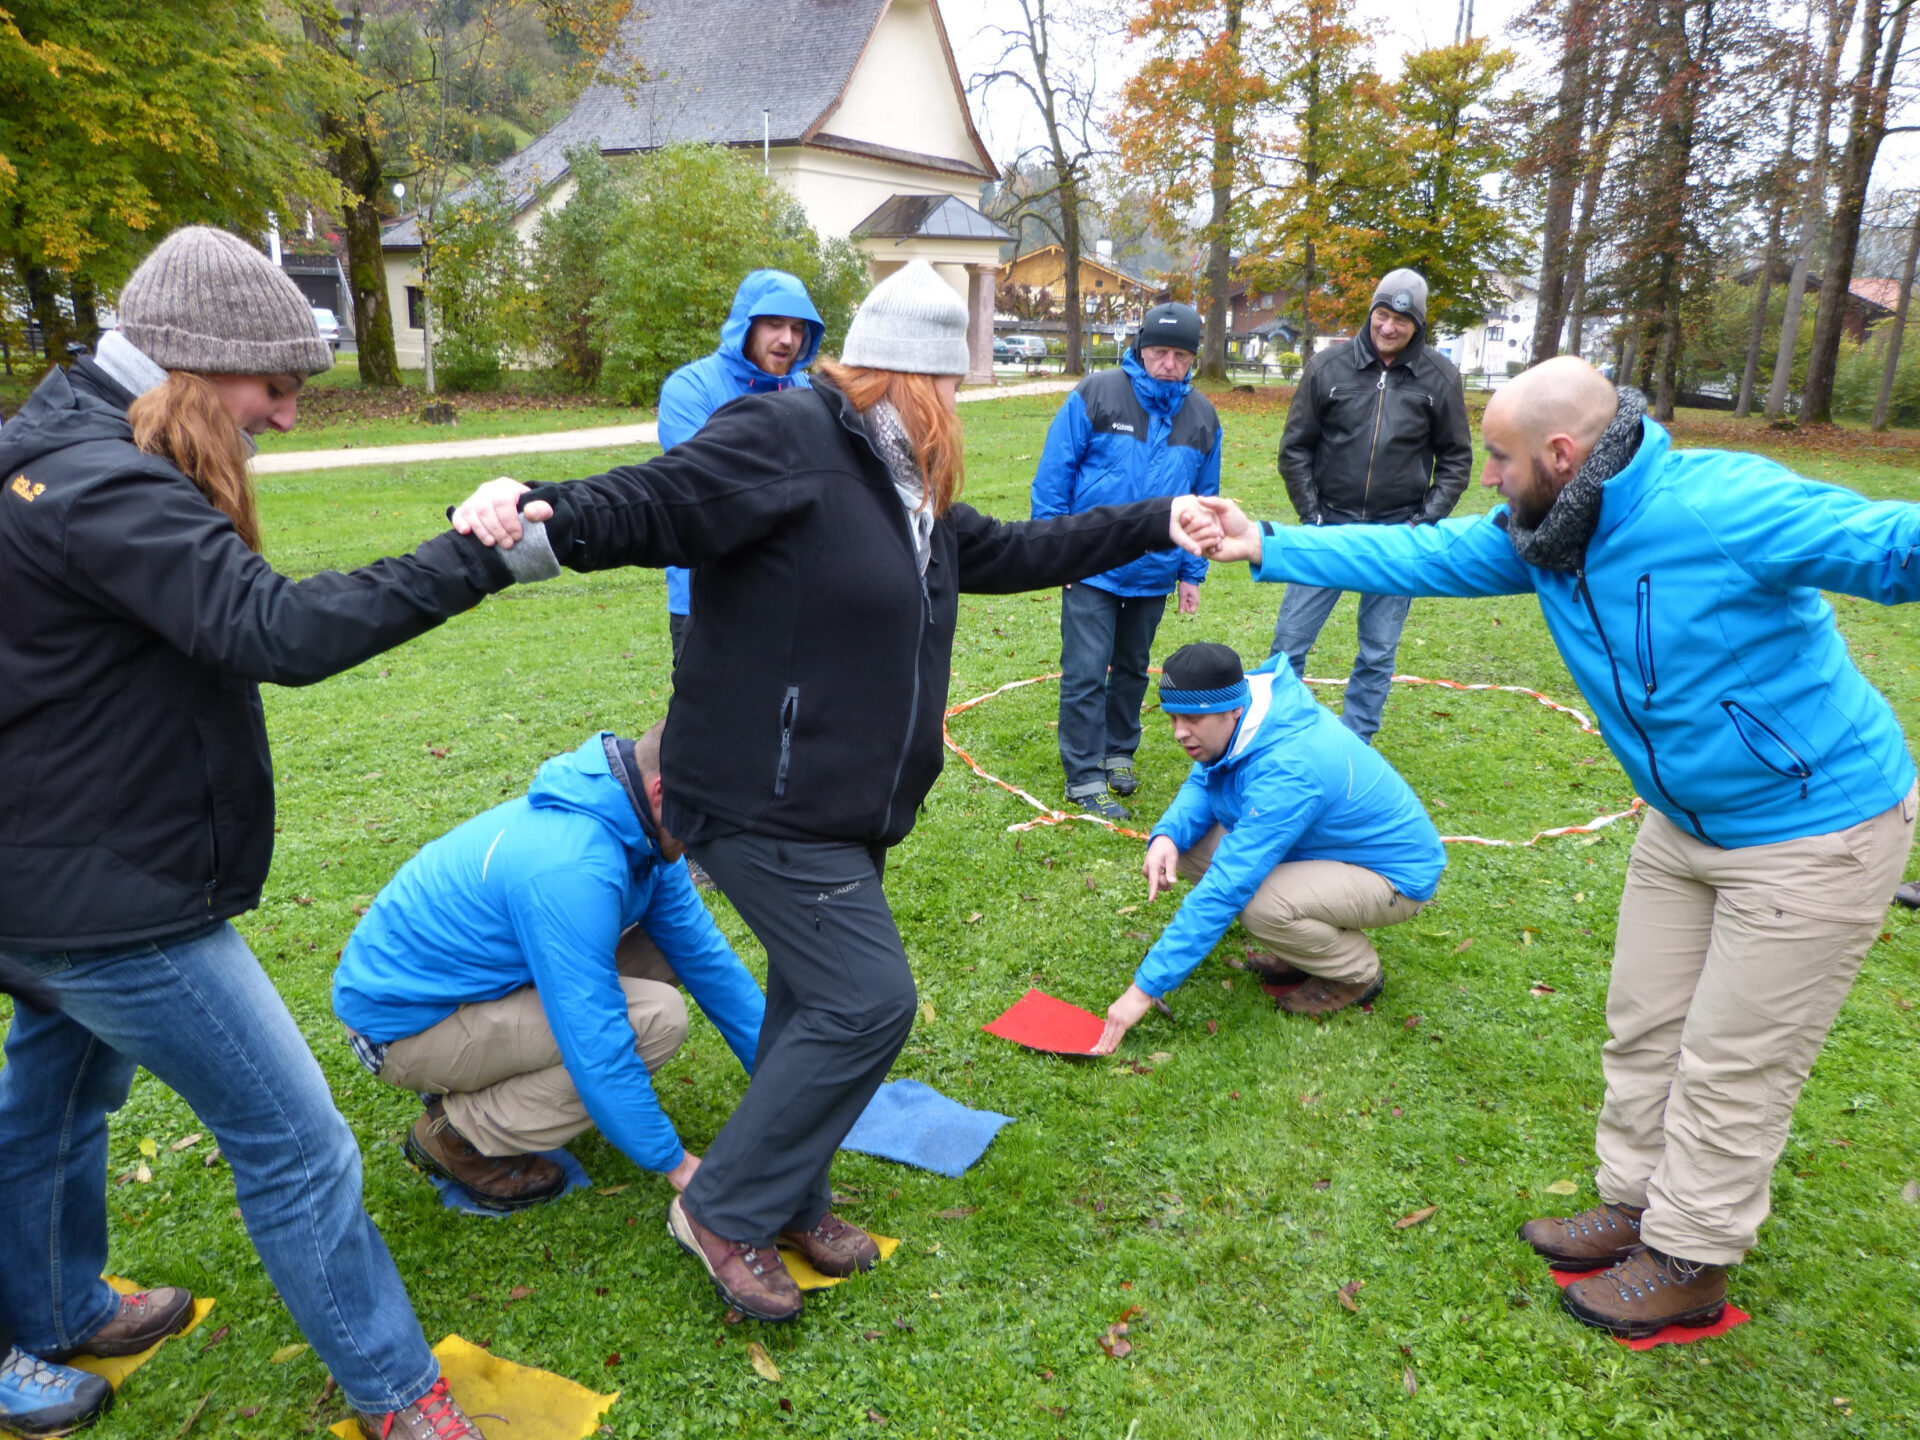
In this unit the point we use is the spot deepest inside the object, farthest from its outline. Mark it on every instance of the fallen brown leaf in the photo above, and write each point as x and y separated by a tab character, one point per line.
874	1415
1407	1379
1541	989
1090	884
612	1189
786	1404
519	1292
1418	1217
215	1338
1213	1027
975	918
213	1159
1463	946
1322	1184
1412	1021
613	1359
303	899
1348	1291
900	1323
185	1142
763	1365
1126	909
959	1212
1136	935
927	1011
1115	1341
869	1334
732	1317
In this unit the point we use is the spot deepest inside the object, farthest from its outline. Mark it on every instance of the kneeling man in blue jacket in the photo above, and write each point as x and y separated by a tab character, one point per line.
1289	822
1682	588
520	973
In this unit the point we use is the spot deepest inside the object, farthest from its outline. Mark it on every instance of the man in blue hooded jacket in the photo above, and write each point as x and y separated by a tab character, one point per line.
770	337
1288	822
1683	591
520	972
1124	435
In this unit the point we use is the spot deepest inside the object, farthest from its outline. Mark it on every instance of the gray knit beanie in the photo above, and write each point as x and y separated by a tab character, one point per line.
1404	293
207	301
913	322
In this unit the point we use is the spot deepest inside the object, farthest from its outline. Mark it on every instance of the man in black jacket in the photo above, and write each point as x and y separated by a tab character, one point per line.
1377	435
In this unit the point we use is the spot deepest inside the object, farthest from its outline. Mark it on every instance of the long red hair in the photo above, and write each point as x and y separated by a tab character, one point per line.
184	422
930	423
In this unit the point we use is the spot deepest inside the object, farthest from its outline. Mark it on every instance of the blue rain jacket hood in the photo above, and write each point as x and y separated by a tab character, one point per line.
537	892
1123	436
694	391
1695	628
1293	784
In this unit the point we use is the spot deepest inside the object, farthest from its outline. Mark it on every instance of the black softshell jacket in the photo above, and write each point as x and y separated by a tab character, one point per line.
807	703
136	791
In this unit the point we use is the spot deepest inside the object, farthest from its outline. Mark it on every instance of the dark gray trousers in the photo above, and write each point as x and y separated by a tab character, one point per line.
840	1004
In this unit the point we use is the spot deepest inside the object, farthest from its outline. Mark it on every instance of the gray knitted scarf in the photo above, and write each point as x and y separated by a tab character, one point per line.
889	436
1559	541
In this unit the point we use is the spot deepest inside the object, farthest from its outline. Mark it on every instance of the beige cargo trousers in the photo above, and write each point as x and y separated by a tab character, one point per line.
1729	967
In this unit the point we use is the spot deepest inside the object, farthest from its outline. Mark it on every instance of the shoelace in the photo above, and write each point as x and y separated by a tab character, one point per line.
1589	1222
24	1370
1646	1272
444	1422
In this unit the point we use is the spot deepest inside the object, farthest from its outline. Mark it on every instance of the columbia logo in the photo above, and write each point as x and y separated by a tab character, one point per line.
1127	428
26	489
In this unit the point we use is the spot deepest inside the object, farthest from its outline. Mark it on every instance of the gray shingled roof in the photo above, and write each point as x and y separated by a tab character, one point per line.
929	217
715	64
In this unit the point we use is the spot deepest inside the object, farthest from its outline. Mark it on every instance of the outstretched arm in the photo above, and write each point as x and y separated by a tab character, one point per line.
1006	557
1455	557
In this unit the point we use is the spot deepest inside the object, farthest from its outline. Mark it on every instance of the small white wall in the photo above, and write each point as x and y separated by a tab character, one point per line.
902	94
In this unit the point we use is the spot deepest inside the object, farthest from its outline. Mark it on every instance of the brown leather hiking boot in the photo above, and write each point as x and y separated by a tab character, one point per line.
750	1278
1272	970
144	1319
1591	1240
1317	995
834	1247
506	1182
1647	1292
433	1416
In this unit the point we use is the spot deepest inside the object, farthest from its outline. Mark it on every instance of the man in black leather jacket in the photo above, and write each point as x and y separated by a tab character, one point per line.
1377	435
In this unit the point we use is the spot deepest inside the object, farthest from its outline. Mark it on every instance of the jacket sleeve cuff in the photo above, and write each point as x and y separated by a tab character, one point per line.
1272	552
531	557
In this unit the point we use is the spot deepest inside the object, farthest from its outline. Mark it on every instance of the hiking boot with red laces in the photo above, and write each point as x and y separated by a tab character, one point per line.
1591	1240
505	1182
750	1278
1318	995
1647	1292
144	1319
833	1247
433	1416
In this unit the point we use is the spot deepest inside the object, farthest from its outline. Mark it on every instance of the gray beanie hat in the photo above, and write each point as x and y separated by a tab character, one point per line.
913	322
207	301
1403	292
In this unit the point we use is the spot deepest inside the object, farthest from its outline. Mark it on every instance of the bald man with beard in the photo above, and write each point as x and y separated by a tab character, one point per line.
1683	589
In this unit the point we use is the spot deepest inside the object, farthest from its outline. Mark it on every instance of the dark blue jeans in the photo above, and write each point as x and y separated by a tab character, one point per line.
197	1011
1105	645
1304	609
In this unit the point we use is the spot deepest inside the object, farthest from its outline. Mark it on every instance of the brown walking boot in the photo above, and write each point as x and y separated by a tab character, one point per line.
1272	970
834	1247
506	1182
433	1416
144	1319
1591	1240
750	1278
1317	995
1647	1292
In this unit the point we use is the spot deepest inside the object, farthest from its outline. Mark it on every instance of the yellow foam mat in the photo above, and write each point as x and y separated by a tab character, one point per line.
509	1401
114	1370
808	1278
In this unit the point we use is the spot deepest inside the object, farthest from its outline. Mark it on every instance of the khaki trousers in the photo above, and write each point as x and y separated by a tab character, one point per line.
1728	970
498	1066
1312	913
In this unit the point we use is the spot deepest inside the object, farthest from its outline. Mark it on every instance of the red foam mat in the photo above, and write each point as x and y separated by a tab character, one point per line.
1040	1022
1674	1334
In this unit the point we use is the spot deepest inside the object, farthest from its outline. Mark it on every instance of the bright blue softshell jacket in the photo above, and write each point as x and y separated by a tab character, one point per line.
1697	630
693	392
1294	784
537	892
1109	447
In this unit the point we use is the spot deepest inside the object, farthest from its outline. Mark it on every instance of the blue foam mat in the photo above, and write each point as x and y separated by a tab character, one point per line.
458	1197
917	1125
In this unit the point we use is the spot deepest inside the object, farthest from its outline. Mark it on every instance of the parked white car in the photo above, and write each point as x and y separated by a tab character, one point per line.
329	324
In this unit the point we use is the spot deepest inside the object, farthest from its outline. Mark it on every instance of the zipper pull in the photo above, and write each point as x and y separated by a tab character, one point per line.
1383	381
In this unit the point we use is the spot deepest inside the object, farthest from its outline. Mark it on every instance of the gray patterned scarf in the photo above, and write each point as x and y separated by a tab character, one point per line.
1559	541
889	436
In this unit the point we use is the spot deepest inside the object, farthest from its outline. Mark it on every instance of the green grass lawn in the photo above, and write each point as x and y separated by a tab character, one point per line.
1223	1183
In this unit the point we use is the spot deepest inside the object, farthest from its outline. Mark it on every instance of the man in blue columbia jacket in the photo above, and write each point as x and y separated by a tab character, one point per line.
1683	591
1124	435
520	972
769	339
1289	822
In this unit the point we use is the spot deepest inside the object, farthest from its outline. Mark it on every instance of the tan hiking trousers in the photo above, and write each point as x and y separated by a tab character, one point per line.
1729	967
498	1066
1312	913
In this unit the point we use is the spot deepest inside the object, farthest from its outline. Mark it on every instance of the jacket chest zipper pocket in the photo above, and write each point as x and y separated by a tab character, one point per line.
1643	638
789	712
1768	748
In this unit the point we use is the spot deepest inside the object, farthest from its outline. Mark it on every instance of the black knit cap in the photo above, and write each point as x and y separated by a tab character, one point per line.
1202	679
1172	324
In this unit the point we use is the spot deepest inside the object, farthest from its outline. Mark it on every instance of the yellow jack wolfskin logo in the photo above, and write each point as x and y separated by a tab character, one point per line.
26	489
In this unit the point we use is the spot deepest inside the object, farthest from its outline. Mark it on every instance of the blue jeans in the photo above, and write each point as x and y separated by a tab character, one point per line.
1104	644
197	1011
1304	609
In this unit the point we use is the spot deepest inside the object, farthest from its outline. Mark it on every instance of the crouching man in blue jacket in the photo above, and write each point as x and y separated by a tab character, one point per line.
1683	591
1288	821
519	972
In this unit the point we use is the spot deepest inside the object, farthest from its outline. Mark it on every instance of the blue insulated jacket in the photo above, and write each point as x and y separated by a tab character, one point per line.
1696	631
537	892
1124	436
694	391
1294	784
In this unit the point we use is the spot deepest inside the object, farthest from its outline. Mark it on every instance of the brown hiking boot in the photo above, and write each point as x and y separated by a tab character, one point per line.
1317	995
433	1416
1591	1240
506	1182
143	1320
833	1247
1647	1292
1272	970
750	1278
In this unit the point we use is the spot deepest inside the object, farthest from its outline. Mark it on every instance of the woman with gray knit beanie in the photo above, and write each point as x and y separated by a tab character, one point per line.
804	729
138	821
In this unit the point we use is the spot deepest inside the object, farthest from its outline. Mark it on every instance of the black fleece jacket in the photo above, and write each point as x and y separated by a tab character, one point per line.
138	798
808	701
